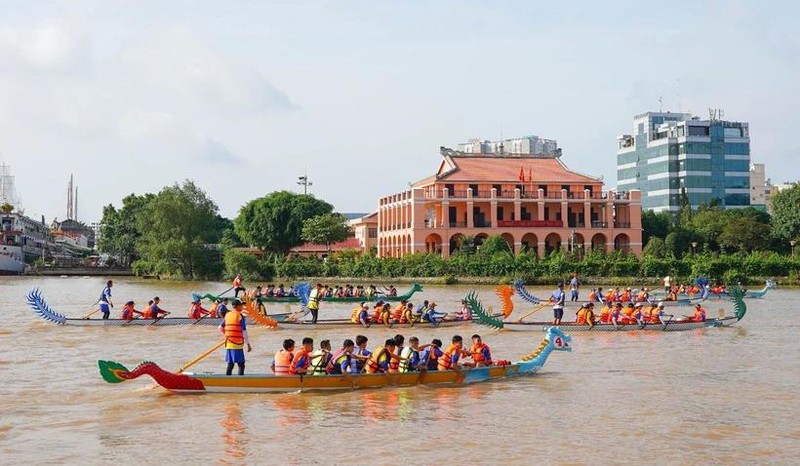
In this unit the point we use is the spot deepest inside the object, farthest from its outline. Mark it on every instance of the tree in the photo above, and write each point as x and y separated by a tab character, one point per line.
494	244
120	231
274	222
655	248
179	232
786	214
744	234
325	229
655	224
707	223
6	208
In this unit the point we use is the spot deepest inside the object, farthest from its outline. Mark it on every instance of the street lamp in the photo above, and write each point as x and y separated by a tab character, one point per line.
694	247
792	242
303	181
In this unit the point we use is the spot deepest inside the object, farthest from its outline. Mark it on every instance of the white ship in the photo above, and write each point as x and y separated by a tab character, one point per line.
12	261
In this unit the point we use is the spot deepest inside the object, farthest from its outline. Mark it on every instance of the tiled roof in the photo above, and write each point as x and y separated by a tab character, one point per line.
507	170
349	243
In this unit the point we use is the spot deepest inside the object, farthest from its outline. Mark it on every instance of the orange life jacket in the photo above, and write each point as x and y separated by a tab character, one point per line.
605	314
394	363
283	362
127	312
398	312
625	297
610	297
376	316
375	359
303	355
699	315
581	316
148	313
196	311
445	362
233	328
213	311
477	353
593	296
642	296
237	282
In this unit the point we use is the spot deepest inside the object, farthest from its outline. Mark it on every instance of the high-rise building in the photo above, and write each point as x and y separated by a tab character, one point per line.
671	152
759	187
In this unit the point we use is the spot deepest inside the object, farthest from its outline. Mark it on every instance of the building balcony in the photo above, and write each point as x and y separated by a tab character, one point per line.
530	223
622	224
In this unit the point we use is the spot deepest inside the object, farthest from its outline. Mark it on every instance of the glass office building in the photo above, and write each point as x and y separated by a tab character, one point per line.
669	152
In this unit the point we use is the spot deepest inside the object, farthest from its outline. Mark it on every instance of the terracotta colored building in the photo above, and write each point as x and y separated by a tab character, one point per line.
535	202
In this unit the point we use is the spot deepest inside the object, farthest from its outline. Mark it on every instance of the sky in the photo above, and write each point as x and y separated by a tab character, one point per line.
244	97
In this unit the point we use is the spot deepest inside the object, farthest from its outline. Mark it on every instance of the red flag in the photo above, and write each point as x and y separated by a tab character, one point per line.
530	174
521	174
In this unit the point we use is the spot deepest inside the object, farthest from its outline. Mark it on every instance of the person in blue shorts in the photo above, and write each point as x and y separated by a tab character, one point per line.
234	328
105	300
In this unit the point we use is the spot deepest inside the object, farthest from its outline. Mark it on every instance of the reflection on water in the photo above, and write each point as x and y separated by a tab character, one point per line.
234	435
705	396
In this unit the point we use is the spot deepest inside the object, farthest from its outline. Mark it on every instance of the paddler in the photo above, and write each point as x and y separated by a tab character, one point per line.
605	313
394	363
410	356
408	314
378	362
302	359
377	312
453	353
155	312
397	316
361	352
222	308
430	356
343	362
320	358
589	317
197	311
234	328
283	358
128	311
105	300
480	352
699	313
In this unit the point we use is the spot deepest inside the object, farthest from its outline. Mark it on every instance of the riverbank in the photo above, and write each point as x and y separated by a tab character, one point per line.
80	272
588	281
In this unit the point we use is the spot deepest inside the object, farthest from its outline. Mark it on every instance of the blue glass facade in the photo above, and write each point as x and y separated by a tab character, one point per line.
670	152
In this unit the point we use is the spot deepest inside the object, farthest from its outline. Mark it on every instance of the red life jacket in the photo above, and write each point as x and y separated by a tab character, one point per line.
127	312
283	362
477	353
301	360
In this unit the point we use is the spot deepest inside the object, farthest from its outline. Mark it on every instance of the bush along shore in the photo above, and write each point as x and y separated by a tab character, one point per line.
599	268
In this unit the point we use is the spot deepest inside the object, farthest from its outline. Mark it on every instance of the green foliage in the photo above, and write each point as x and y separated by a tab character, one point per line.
745	235
248	265
494	244
656	247
179	233
655	225
274	222
786	214
120	231
325	229
6	208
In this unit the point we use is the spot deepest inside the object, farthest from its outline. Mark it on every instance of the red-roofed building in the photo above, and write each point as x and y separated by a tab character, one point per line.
534	202
314	249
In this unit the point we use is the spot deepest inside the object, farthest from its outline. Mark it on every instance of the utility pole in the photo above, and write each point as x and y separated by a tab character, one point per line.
304	182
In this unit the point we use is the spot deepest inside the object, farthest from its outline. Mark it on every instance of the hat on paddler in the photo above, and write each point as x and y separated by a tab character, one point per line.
236	302
639	305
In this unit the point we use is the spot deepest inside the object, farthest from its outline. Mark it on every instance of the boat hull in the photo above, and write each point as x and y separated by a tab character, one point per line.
266	383
571	327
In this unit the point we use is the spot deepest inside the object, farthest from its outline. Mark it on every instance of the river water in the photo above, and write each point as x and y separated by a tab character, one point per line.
708	396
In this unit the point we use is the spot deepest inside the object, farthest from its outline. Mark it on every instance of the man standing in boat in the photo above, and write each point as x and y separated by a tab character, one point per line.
105	300
237	285
558	298
574	284
234	328
313	302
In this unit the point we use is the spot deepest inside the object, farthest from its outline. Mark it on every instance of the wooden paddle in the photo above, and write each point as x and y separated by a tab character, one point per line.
200	358
536	309
93	312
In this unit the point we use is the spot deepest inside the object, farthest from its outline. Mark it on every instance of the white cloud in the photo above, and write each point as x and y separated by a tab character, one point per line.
49	45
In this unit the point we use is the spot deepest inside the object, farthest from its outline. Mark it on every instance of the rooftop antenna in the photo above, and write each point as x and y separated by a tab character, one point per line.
660	105
304	182
502	148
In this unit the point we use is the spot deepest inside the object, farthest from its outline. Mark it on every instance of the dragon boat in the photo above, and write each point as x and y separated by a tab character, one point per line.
37	302
188	382
519	286
302	291
296	320
483	317
770	284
